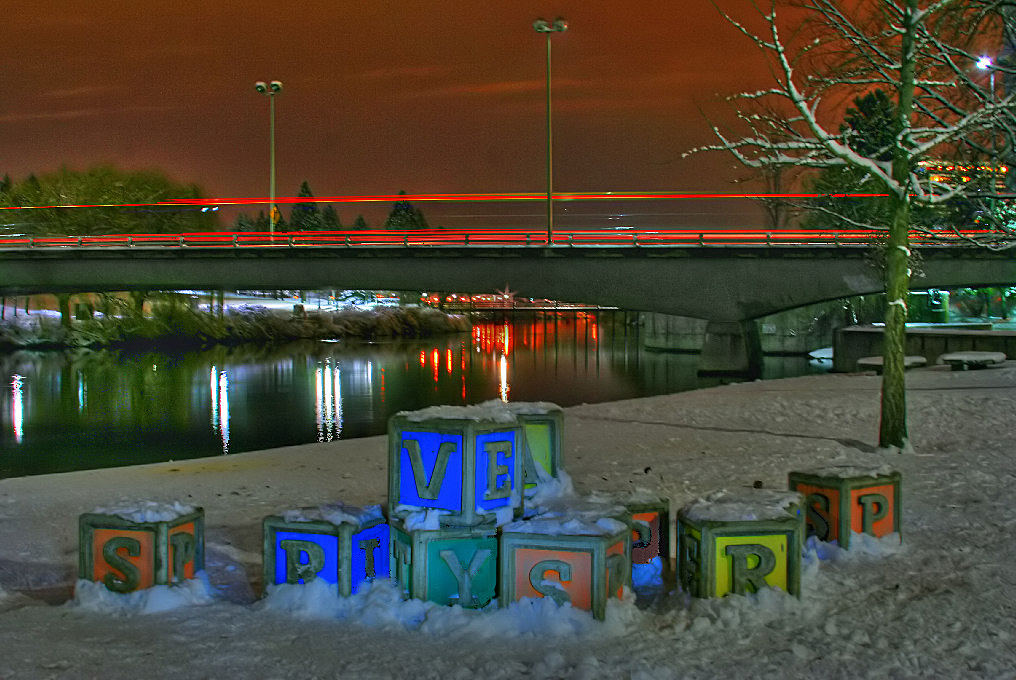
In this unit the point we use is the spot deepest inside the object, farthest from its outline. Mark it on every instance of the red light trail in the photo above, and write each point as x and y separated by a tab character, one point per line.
451	198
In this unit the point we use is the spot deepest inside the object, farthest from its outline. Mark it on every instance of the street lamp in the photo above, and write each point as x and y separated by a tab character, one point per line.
543	26
270	90
986	63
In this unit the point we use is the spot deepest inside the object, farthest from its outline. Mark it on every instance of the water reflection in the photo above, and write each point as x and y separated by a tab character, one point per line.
17	407
328	405
98	409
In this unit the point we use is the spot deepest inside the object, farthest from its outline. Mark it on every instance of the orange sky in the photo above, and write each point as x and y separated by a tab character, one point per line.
379	96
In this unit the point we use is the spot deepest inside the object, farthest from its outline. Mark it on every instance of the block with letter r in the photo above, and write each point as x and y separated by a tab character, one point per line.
446	565
841	500
128	553
462	460
574	562
341	545
740	543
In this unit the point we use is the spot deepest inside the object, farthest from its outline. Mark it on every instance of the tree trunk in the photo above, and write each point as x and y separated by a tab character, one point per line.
892	432
893	426
63	301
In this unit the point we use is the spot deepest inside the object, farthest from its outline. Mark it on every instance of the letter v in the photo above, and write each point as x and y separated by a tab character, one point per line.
432	489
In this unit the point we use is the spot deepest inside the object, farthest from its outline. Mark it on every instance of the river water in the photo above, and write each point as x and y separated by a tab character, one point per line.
65	411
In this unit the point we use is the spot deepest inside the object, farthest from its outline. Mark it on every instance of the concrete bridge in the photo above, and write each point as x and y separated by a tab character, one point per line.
728	283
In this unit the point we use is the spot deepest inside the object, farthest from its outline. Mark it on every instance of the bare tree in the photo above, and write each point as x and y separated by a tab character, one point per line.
923	54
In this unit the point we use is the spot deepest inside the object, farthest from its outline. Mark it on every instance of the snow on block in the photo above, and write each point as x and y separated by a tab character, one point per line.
569	560
740	542
465	461
132	548
845	499
341	545
446	565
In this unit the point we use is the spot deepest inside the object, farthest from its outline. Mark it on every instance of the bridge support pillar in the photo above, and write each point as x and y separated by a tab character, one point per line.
731	348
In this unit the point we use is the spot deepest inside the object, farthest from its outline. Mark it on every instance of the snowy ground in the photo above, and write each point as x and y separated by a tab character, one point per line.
941	605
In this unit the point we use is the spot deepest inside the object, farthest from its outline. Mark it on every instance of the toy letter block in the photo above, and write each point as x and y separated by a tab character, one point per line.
342	545
543	427
463	460
446	565
570	561
844	499
740	543
130	549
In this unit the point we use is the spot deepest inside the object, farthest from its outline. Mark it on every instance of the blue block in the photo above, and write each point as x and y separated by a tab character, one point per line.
463	461
342	545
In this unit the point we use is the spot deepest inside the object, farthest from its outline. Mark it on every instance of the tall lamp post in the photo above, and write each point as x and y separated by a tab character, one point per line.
270	90
549	28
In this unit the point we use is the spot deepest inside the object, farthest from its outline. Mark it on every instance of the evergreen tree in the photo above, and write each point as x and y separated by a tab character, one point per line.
304	216
244	222
330	219
128	203
359	222
405	216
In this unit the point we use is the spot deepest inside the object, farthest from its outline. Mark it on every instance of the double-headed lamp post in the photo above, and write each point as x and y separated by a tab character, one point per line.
549	28
270	90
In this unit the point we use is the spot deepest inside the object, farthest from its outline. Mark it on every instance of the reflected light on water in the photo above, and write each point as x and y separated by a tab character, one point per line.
18	407
502	373
328	402
219	386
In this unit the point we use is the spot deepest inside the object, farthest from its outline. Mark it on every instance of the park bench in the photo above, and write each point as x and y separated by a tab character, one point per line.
962	361
875	363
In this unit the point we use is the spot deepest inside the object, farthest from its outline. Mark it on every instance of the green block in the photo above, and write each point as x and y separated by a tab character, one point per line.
342	545
568	559
448	565
126	554
740	543
845	499
543	428
464	461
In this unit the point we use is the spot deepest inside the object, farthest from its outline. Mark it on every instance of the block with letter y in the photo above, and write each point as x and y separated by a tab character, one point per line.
446	565
464	461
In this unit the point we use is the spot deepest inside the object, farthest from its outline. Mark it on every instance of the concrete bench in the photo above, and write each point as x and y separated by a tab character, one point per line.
961	361
875	363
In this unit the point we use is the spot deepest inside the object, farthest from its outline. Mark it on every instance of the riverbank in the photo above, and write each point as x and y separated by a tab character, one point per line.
938	606
172	325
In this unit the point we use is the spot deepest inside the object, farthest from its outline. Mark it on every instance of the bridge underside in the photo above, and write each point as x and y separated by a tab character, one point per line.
726	285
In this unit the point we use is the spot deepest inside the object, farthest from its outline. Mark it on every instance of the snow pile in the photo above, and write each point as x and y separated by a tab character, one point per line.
96	597
861	546
148	511
380	605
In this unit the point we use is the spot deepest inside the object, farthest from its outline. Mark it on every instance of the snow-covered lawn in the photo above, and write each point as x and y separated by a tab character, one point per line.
940	605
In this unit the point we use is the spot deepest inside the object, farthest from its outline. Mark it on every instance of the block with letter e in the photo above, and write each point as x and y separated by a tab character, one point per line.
446	565
740	542
134	548
845	499
570	560
543	428
342	545
463	461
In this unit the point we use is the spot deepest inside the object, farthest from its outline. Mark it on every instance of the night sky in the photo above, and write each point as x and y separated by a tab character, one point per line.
380	96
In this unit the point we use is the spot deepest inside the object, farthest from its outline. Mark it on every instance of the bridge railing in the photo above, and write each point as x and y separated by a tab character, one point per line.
433	238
